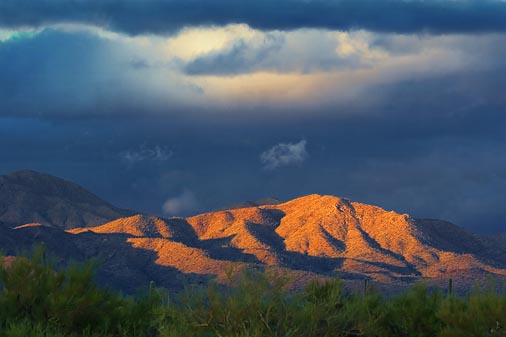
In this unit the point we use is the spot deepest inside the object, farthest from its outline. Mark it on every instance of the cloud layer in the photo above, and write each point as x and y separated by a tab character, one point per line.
169	16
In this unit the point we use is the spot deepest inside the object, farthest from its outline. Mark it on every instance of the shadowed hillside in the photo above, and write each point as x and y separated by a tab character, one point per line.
28	196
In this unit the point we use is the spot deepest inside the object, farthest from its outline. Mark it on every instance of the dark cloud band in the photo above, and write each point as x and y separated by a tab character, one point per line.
168	16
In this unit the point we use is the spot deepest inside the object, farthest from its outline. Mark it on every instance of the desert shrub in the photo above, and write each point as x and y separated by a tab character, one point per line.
332	312
256	304
322	305
414	313
23	329
363	316
482	313
31	290
37	299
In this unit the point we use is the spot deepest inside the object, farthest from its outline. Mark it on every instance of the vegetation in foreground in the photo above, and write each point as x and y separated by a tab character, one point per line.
36	300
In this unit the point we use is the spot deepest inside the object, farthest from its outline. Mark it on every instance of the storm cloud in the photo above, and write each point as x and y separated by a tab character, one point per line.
176	107
169	16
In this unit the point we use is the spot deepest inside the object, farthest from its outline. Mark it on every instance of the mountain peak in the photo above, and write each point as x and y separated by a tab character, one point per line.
325	233
321	199
28	196
45	184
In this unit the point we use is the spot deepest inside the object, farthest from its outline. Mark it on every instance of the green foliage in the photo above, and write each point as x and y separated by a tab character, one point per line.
480	314
37	299
414	313
330	312
256	304
66	300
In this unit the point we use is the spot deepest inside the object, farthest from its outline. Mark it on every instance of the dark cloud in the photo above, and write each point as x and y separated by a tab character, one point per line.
74	74
168	16
52	73
420	159
430	146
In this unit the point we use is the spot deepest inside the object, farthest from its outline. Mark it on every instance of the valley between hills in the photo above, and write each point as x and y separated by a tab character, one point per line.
314	236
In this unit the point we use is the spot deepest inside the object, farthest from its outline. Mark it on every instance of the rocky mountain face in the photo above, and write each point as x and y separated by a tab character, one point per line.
32	197
321	235
311	236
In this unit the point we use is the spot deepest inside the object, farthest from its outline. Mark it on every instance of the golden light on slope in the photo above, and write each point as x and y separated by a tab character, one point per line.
180	256
137	225
312	233
33	224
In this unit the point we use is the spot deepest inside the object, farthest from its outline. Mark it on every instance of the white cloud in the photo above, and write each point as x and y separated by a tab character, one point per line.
145	153
183	203
284	154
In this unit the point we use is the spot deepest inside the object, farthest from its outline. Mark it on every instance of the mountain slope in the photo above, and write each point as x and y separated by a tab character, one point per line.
318	234
28	196
349	237
309	236
139	225
121	264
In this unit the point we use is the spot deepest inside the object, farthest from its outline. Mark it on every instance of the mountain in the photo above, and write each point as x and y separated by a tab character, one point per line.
322	235
311	236
330	234
32	197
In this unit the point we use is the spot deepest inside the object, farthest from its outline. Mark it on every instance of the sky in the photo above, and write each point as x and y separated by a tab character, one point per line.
176	107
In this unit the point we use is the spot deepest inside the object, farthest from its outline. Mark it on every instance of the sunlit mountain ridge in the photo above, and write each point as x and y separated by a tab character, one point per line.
319	234
311	236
